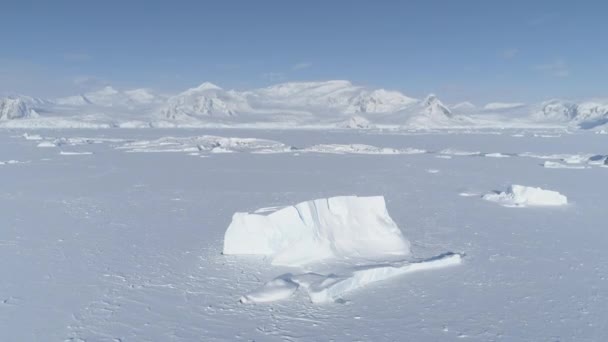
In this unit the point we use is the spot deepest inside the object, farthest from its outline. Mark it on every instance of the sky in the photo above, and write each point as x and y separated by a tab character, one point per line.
477	51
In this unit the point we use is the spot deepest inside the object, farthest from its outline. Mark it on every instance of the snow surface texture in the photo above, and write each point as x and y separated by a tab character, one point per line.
313	231
523	196
321	105
119	246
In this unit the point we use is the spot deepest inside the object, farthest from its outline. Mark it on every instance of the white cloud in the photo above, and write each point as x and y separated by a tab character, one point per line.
300	66
558	68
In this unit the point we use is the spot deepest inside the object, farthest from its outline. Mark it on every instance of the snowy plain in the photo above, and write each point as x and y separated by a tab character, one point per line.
103	242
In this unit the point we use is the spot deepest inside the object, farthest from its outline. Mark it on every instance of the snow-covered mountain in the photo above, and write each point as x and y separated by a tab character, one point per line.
327	98
584	114
465	107
331	96
16	108
432	113
356	122
497	106
432	107
110	97
556	110
379	101
206	100
336	103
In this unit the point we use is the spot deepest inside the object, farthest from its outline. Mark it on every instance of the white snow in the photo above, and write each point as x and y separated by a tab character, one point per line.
357	231
332	287
10	162
556	165
434	108
205	143
47	144
313	231
15	108
355	122
127	246
379	101
319	105
496	155
32	136
360	149
522	196
111	97
279	288
75	153
503	105
464	107
457	152
204	100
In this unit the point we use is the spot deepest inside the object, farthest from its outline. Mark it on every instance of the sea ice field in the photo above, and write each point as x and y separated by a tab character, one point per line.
119	235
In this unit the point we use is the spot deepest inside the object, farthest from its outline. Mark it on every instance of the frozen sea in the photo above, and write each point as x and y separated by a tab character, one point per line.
100	242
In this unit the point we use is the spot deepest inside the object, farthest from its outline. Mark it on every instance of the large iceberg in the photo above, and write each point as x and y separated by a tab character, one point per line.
312	231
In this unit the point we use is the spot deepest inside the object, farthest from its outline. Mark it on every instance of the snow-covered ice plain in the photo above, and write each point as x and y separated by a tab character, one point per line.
117	235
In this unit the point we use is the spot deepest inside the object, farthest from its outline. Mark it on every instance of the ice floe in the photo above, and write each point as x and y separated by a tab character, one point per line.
557	165
47	144
360	149
73	153
523	196
327	288
456	152
496	155
205	143
32	136
11	162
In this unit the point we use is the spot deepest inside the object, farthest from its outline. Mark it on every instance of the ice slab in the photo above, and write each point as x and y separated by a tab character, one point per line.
206	143
330	288
556	165
360	149
522	196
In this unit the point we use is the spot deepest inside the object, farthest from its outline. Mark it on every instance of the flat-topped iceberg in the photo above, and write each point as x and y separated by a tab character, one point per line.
312	231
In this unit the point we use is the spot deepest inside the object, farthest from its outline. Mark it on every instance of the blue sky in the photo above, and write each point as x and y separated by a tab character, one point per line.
461	50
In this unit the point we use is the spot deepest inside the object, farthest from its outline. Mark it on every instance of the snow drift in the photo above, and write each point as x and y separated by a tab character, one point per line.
312	231
522	196
330	288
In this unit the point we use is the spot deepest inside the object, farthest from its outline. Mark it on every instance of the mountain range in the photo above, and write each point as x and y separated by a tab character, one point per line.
327	104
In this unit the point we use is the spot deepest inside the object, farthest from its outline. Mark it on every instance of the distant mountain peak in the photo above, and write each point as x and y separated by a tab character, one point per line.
107	90
434	107
15	108
207	86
